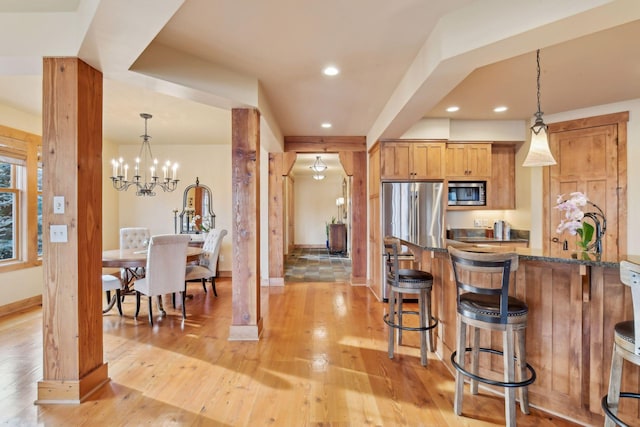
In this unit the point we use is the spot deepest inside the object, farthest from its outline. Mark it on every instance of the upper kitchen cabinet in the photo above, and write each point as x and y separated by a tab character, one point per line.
408	160
468	161
501	189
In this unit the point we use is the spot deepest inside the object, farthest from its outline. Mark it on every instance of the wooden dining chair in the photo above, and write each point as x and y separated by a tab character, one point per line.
165	271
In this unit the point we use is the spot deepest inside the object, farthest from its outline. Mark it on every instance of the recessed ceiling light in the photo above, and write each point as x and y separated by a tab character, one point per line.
453	109
500	109
331	71
326	125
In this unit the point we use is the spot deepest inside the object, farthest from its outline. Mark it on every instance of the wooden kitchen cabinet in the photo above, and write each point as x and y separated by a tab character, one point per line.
501	189
468	161
408	160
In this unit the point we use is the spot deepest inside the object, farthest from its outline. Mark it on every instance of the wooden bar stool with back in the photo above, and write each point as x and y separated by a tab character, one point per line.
412	282
626	346
483	302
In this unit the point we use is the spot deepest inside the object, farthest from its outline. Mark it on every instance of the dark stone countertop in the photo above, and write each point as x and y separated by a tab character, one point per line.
528	254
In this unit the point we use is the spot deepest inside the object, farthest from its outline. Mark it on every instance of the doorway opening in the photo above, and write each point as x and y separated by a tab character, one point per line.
317	220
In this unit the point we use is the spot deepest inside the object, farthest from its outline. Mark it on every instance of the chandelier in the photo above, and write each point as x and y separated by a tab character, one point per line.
145	171
318	167
539	152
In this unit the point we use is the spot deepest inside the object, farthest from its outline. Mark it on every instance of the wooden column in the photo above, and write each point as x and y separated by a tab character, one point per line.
73	365
276	220
246	322
359	219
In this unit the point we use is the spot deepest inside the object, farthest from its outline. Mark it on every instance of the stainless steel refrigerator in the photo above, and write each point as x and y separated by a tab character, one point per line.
412	211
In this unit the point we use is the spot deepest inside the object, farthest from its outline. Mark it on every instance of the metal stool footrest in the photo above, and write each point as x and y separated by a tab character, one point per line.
484	380
411	328
611	415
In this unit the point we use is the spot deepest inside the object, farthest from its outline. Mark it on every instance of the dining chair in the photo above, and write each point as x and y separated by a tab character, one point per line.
132	238
112	283
207	268
165	270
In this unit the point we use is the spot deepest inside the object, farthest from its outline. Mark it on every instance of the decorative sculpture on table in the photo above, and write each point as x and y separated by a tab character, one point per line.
197	215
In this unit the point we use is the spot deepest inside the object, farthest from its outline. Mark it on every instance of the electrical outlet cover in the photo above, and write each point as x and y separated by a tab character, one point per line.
58	233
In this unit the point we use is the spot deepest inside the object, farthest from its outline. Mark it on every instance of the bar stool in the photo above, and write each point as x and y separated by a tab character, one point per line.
482	307
413	282
626	345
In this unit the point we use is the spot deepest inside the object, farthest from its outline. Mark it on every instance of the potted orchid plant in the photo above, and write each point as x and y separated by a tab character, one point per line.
573	218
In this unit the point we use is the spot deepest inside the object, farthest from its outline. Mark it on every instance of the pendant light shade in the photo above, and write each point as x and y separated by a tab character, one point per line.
539	151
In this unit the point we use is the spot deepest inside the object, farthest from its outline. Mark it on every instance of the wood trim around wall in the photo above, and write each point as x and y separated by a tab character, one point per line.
17	306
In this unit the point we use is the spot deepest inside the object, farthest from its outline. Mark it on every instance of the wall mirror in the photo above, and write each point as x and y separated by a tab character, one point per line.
197	215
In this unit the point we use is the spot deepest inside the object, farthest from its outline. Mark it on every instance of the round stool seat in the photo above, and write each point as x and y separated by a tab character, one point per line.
486	308
412	279
626	331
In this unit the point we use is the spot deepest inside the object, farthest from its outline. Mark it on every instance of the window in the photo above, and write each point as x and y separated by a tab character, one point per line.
9	212
20	199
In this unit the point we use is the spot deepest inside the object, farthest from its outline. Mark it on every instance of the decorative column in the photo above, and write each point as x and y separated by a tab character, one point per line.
246	322
73	365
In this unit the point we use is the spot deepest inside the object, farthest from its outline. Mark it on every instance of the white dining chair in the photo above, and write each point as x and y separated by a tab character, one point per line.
165	271
133	238
207	268
112	283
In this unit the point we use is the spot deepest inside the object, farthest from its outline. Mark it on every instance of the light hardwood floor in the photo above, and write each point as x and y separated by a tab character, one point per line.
322	360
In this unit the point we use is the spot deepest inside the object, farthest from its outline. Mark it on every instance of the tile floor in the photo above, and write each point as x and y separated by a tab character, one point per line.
316	265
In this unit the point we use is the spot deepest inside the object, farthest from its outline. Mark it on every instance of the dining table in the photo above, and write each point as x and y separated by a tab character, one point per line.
134	261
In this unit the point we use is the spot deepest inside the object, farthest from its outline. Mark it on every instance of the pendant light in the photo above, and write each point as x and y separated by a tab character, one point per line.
539	152
318	166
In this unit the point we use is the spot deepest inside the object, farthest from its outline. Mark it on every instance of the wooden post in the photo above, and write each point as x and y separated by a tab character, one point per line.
73	365
246	322
359	219
276	220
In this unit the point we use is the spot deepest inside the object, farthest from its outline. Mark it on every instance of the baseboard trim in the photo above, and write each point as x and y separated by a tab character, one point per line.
309	246
24	304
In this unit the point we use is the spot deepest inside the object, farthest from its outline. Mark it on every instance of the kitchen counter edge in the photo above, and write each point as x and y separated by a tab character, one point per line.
528	254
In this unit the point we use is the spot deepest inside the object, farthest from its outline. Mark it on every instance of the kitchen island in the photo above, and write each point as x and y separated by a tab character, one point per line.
574	303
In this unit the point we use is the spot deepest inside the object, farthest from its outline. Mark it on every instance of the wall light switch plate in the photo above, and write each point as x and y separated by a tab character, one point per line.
58	233
58	204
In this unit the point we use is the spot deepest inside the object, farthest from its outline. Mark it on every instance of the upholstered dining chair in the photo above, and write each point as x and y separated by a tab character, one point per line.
207	268
165	271
112	283
133	238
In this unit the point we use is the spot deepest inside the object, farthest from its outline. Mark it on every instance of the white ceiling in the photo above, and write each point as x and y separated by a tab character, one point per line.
188	62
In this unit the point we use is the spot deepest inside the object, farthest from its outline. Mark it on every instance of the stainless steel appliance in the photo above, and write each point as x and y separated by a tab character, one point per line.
467	193
412	211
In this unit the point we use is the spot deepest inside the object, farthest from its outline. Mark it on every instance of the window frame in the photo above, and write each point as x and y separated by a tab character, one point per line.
25	147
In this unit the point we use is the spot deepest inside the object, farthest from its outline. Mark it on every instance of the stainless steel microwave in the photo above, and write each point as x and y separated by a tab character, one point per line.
467	193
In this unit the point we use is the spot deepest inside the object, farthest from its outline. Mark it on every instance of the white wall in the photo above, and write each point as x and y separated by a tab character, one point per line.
210	163
24	283
315	205
110	200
